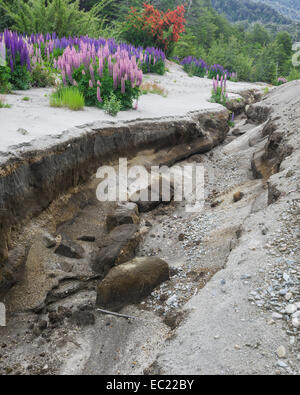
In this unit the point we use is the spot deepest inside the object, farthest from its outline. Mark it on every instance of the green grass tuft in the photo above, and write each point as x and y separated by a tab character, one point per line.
69	97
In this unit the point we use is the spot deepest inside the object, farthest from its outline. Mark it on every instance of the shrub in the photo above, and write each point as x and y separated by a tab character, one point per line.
42	76
112	105
151	27
219	91
20	78
69	97
294	75
5	85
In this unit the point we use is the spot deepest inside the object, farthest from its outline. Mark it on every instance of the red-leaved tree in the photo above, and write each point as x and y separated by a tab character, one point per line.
151	27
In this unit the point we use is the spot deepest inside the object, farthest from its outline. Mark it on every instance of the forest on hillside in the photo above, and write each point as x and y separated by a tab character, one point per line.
249	10
289	8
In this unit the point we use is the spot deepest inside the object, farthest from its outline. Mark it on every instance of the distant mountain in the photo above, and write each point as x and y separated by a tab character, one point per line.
250	11
289	8
253	11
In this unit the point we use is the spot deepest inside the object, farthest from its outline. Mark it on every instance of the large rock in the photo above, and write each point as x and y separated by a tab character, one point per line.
119	247
125	213
130	282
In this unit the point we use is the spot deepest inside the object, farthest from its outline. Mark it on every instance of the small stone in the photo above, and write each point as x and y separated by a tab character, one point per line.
181	237
246	277
290	309
238	196
264	231
276	316
49	241
296	322
281	352
286	277
282	364
288	296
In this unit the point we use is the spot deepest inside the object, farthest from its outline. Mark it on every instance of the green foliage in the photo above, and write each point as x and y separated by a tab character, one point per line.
20	78
294	75
69	97
61	16
157	68
107	87
42	76
112	105
5	85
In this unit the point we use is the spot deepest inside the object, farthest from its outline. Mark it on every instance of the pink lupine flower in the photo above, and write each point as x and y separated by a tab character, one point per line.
91	68
91	84
99	95
63	73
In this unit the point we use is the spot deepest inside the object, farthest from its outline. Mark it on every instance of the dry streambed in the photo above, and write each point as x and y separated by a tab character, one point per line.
99	254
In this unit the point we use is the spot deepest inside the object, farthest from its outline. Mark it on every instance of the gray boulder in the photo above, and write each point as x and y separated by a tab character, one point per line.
130	282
